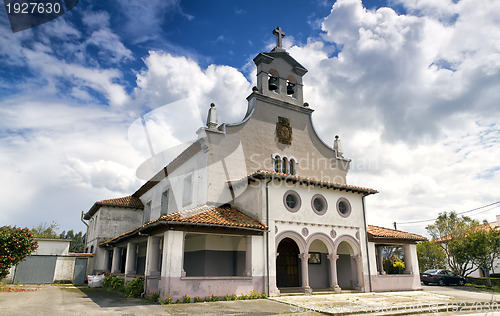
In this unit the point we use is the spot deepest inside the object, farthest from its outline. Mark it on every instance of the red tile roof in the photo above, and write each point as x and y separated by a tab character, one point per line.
376	232
209	216
304	180
126	201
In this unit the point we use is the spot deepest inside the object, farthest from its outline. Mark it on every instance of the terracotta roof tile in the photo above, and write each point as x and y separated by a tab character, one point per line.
229	217
382	232
204	216
305	180
126	201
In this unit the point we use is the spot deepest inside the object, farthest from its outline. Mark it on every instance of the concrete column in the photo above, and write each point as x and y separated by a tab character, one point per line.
115	264
359	270
130	260
407	259
152	255
380	261
334	284
304	258
248	256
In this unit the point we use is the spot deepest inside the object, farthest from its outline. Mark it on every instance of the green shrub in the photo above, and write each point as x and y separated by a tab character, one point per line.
114	282
197	299
134	288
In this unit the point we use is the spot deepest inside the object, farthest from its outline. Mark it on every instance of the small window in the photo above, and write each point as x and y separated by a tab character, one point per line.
277	164
284	165
319	204
292	201
147	212
164	203
343	207
188	191
291	170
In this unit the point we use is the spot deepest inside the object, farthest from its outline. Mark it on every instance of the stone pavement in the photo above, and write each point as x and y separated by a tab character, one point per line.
395	303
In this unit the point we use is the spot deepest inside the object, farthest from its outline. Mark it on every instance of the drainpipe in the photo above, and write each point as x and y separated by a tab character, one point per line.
87	233
366	242
267	235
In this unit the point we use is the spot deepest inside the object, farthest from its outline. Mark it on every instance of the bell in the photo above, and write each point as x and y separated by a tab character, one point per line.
289	88
273	83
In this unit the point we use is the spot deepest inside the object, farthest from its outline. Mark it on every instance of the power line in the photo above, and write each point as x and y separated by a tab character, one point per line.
472	210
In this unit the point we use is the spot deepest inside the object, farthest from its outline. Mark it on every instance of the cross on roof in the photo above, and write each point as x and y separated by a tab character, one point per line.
279	35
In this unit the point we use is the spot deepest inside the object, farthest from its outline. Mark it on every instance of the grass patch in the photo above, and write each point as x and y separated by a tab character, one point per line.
495	288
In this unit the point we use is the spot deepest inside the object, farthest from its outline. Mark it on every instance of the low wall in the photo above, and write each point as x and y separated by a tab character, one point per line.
206	286
482	281
395	282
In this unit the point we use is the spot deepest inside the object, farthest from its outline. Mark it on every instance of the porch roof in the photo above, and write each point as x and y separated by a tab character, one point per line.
208	216
266	174
377	233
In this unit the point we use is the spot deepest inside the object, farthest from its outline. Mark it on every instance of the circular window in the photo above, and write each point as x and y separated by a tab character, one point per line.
343	207
319	204
292	201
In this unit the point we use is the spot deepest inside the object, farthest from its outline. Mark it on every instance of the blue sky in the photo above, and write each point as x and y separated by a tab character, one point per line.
410	86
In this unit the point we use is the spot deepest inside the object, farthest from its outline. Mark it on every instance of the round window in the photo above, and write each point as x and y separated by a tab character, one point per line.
292	201
319	204
343	207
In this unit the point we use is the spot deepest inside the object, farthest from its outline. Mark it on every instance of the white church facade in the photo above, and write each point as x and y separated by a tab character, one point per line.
262	205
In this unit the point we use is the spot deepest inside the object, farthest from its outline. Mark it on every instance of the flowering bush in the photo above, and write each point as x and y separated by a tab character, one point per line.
393	265
166	301
15	245
186	298
15	289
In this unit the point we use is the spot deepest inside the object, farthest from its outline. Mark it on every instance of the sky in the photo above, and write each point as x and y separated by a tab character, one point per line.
410	86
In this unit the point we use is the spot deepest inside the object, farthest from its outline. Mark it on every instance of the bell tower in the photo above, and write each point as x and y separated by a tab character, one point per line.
279	76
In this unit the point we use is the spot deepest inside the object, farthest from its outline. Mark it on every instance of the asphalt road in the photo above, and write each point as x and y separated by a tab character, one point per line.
469	301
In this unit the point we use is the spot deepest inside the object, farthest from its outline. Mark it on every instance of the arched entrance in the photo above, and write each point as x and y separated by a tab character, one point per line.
347	273
287	264
318	265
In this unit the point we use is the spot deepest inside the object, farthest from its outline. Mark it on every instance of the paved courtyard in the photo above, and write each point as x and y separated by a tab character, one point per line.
69	300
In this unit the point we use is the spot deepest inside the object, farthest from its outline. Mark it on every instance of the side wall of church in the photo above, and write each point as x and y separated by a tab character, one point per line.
186	188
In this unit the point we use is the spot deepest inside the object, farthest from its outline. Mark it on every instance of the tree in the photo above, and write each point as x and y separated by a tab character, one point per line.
15	245
448	231
483	247
430	256
45	230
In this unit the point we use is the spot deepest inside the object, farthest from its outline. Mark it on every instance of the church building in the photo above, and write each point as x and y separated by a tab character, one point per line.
261	205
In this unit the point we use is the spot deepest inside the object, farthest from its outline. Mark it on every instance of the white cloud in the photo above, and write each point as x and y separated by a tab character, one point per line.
168	78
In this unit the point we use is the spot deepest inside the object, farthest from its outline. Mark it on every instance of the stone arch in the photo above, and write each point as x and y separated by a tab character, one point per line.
351	241
299	240
349	266
324	238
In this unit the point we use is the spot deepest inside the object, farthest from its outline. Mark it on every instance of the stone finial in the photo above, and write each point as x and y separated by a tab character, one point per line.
338	147
212	117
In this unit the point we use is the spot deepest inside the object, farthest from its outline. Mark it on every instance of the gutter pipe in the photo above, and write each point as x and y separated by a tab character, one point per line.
366	242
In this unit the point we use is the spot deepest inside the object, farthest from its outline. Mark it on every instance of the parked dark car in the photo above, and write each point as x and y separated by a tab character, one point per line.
441	277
